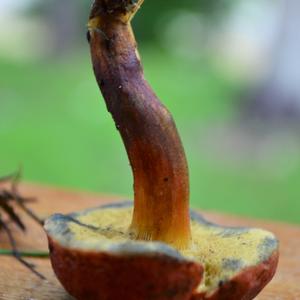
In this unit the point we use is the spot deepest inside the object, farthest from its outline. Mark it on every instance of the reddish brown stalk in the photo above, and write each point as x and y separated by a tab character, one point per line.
161	183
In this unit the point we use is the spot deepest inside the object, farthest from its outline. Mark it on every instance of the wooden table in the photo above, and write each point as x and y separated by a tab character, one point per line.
17	283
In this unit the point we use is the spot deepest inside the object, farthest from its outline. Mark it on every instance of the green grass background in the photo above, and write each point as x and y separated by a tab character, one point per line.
53	122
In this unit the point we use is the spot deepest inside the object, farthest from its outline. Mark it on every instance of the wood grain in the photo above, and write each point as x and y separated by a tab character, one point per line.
17	283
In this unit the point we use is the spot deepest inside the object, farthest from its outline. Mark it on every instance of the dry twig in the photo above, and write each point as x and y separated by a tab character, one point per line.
8	199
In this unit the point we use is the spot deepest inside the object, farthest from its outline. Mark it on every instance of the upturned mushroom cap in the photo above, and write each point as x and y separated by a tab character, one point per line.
95	257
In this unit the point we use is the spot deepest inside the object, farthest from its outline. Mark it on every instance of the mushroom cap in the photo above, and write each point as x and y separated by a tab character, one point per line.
96	257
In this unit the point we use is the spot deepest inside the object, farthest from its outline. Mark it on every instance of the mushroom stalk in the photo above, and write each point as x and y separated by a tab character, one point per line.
153	145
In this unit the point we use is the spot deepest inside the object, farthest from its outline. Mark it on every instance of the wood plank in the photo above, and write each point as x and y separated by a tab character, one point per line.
17	283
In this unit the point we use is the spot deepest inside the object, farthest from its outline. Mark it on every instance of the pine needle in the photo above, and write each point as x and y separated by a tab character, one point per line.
24	253
8	197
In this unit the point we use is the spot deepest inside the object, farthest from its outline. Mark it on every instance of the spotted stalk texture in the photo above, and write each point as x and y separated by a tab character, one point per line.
154	148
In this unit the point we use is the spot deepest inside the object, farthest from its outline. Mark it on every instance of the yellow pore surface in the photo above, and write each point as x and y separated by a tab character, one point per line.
223	252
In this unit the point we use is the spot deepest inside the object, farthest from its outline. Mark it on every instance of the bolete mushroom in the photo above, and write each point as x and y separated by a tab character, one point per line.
163	251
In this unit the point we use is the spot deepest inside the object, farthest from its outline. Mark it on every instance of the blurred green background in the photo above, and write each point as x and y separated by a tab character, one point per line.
207	60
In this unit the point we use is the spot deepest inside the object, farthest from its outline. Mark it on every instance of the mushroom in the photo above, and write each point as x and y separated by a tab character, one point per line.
154	248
